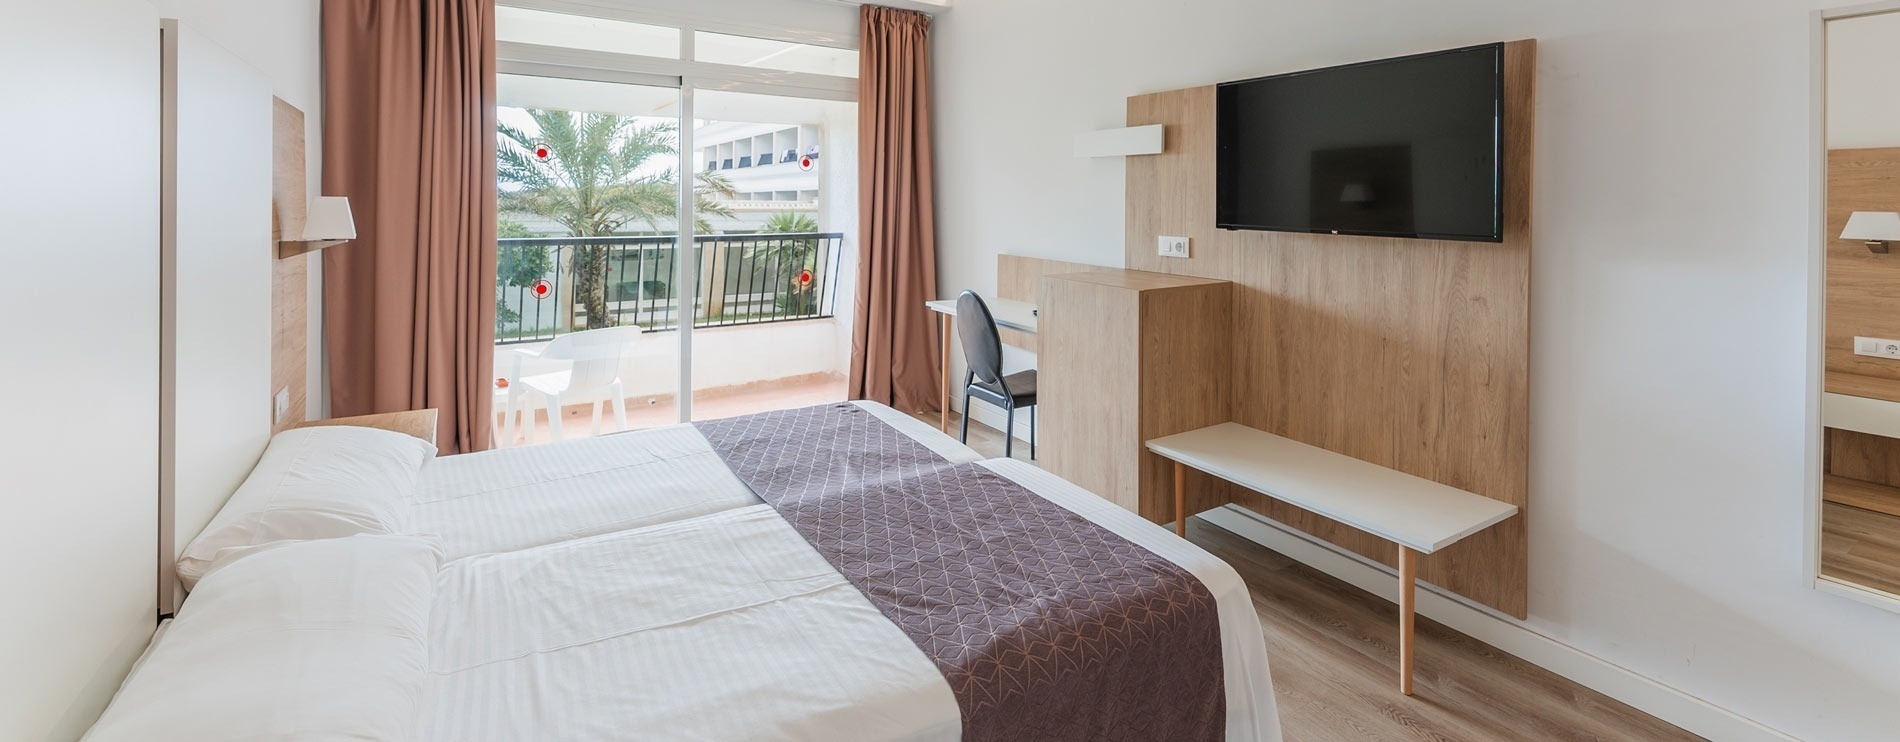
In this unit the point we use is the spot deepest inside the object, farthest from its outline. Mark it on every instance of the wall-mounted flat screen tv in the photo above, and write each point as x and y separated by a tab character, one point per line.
1406	147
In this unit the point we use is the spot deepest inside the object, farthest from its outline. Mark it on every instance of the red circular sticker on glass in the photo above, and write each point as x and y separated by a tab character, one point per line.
542	152
542	289
805	163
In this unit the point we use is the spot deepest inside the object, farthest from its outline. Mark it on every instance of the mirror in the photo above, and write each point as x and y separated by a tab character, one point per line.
1860	400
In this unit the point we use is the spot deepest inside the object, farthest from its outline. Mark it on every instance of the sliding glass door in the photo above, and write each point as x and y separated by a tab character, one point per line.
677	218
588	257
776	210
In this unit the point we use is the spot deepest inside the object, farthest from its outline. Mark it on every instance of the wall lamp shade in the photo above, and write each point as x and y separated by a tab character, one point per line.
329	219
1876	228
327	223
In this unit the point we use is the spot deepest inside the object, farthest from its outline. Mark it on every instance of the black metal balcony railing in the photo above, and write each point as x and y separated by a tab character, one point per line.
544	289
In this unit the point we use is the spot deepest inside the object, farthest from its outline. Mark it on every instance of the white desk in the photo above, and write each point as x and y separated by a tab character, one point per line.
1420	515
1008	313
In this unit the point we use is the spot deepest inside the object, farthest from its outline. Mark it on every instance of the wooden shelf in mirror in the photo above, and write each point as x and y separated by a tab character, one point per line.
1861	494
1857	385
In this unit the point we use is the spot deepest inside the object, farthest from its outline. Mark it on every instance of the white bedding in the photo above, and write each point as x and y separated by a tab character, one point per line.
630	587
730	626
518	498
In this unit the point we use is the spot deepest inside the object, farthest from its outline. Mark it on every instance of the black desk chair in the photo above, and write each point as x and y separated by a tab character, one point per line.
983	349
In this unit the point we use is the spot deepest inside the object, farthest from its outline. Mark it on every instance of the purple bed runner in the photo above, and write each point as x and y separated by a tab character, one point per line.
1046	625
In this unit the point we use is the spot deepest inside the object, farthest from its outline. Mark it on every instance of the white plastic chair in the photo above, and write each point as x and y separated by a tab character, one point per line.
595	374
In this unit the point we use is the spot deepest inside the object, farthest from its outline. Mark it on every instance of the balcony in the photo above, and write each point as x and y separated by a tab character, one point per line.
766	338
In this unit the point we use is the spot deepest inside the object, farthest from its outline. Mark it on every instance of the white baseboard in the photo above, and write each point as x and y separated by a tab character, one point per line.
1498	630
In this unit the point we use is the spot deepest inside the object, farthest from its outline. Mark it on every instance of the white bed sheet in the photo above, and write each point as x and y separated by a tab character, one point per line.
730	626
518	498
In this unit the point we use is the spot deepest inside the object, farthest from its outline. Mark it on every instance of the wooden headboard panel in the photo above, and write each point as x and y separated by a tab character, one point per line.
289	283
216	253
1411	354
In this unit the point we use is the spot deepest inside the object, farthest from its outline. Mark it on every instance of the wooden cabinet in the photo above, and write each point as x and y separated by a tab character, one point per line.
1127	356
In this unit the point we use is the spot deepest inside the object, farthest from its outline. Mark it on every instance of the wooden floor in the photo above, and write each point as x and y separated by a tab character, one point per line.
1333	650
1860	547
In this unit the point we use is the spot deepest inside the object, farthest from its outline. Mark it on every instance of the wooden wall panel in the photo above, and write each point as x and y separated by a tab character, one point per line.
1863	288
1091	420
1176	345
290	294
1019	276
1133	356
1412	354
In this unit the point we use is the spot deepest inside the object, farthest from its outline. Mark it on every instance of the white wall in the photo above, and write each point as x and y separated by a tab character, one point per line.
1863	57
279	38
219	240
1670	296
79	450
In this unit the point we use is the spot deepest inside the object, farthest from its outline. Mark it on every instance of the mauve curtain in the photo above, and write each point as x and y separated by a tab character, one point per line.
894	352
409	137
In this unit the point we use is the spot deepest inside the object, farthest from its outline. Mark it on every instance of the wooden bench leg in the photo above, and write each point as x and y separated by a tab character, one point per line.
1408	581
1180	499
943	331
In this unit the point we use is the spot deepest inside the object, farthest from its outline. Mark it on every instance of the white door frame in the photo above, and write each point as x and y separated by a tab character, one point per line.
687	76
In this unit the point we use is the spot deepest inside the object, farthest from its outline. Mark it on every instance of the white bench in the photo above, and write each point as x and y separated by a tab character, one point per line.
1420	515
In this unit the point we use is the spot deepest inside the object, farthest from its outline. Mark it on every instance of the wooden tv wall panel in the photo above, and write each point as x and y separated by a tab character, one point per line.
1412	354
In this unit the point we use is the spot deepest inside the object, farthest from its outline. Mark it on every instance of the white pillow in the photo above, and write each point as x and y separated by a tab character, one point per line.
315	640
313	483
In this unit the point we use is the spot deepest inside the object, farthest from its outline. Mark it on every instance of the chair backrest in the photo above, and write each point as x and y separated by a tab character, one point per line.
596	354
982	346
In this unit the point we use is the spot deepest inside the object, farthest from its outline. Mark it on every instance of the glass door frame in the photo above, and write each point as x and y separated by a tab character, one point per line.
685	75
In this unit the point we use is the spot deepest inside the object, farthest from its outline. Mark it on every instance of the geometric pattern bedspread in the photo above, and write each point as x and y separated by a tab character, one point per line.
1044	624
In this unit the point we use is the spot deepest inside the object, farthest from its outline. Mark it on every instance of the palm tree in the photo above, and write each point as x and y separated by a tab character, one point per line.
790	222
791	258
599	177
517	267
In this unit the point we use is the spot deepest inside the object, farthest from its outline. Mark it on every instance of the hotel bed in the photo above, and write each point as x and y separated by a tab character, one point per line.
493	501
697	582
516	498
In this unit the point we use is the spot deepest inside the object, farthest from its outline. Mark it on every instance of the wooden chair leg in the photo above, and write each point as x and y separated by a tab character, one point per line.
943	333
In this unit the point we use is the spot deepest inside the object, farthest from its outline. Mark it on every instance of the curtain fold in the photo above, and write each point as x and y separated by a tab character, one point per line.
894	351
408	136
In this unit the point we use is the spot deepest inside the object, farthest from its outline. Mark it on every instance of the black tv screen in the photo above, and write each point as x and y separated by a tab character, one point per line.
1406	147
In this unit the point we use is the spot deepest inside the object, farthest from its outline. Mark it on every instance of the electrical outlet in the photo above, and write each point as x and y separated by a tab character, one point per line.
1877	347
1172	247
281	404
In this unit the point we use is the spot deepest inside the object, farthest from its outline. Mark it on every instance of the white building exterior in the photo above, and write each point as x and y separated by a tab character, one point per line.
763	164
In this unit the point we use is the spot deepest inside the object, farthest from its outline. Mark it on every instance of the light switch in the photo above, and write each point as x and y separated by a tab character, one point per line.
281	406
